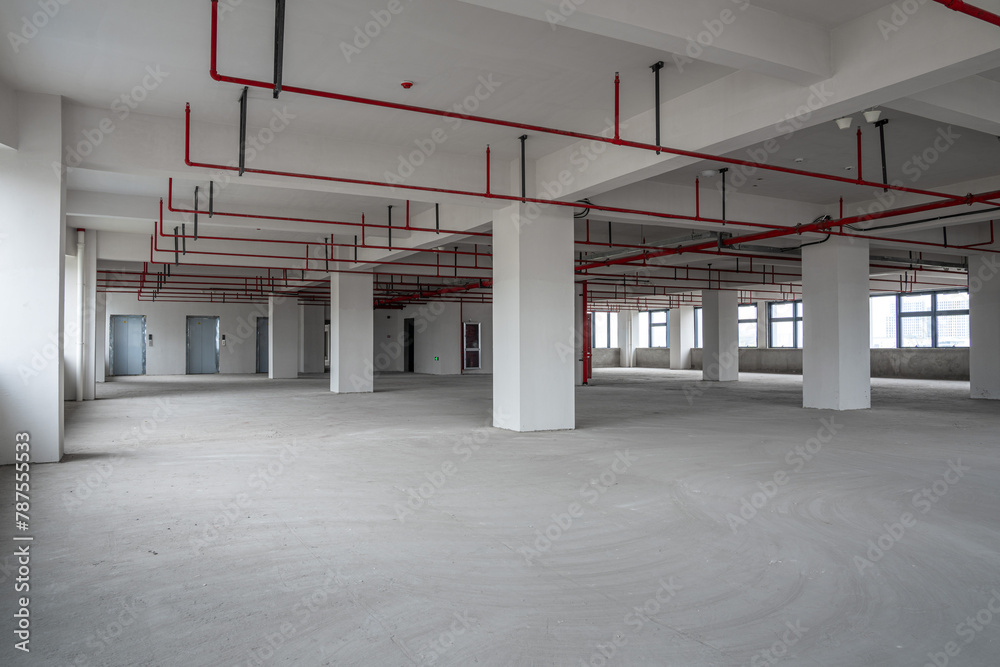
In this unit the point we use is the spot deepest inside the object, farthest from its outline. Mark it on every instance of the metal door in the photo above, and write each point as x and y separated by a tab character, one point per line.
408	340
202	345
128	344
262	345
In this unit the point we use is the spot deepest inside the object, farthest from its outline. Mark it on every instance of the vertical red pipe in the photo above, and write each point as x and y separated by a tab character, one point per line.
487	170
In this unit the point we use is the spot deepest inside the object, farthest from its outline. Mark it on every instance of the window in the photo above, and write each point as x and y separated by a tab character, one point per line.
883	321
748	326
920	320
604	329
698	329
655	328
785	320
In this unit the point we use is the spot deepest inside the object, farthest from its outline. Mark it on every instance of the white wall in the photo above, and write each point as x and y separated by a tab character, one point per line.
167	322
437	333
312	338
388	327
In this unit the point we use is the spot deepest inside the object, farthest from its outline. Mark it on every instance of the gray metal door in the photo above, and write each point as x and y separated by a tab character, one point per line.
202	345
262	345
128	344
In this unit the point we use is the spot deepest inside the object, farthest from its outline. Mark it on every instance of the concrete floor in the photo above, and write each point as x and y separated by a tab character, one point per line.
239	521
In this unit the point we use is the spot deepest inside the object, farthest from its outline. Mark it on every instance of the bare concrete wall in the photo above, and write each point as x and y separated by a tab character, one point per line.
918	364
607	357
652	357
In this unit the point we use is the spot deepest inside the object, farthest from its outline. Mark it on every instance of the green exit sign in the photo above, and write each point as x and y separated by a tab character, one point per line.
437	359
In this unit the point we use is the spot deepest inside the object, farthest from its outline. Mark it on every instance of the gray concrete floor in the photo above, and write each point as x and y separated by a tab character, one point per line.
235	520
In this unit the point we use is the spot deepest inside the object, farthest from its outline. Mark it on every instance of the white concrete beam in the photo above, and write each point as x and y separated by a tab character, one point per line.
733	33
970	102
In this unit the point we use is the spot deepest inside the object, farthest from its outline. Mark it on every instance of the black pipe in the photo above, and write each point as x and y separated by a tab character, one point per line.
945	230
881	135
437	218
723	172
326	252
390	226
184	244
456	261
524	191
656	78
177	256
196	213
211	198
610	239
243	129
355	248
279	43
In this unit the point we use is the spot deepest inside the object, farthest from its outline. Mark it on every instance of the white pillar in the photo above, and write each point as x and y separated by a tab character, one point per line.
681	337
101	336
836	354
984	313
352	333
90	341
720	360
533	319
628	326
282	337
312	338
32	264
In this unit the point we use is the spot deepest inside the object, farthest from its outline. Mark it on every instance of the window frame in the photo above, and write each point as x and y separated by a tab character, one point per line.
593	329
934	313
794	319
665	325
755	321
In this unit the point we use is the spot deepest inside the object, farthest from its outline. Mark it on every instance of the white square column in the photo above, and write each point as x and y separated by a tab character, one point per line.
720	359
91	344
32	268
681	337
533	319
628	328
836	354
312	338
283	337
984	316
352	333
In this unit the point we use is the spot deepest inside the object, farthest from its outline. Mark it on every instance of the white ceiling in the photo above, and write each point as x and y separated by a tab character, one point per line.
823	12
827	149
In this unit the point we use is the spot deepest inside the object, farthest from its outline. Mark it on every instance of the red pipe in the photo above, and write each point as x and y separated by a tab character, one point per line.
971	10
487	170
585	344
821	226
170	206
524	126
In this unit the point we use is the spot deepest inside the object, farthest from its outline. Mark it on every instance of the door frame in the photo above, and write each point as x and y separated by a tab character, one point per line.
257	349
111	343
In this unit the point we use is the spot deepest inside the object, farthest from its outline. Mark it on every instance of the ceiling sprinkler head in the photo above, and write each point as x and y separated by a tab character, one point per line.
872	115
407	85
845	122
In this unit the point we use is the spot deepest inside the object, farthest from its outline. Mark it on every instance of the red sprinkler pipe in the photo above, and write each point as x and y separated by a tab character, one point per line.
821	226
585	345
269	85
172	208
971	10
618	138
